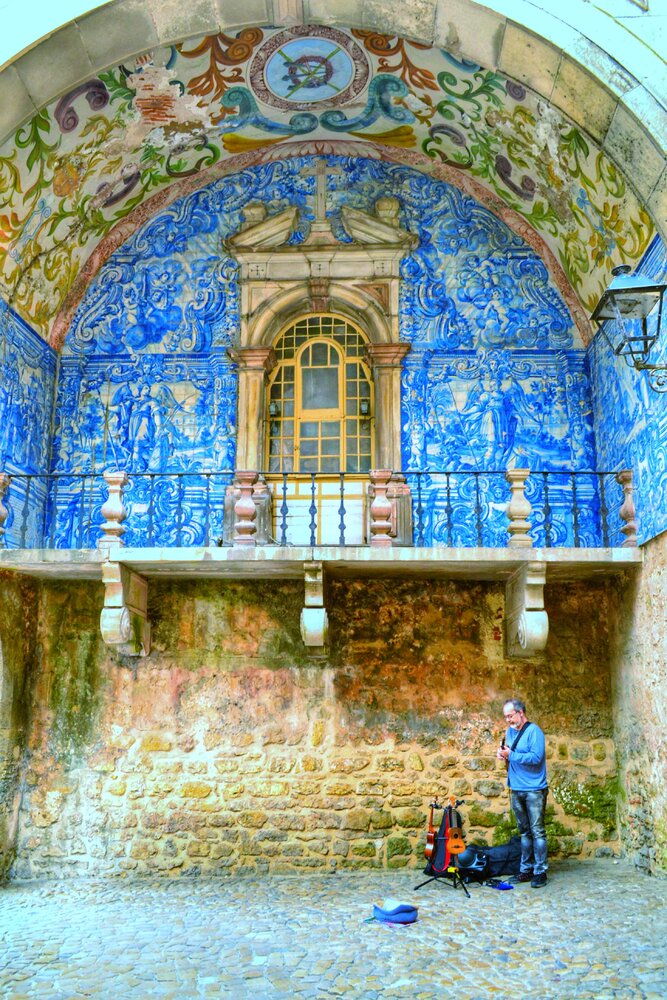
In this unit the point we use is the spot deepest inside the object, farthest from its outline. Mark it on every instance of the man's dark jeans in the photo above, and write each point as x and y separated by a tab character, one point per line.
529	808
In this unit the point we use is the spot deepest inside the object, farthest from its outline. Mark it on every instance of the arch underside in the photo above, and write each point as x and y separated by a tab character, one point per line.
95	165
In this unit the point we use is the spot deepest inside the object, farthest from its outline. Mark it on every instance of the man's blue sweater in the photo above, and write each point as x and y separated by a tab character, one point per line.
527	771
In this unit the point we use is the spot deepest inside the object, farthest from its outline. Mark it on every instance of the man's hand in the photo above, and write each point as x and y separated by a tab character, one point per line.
503	753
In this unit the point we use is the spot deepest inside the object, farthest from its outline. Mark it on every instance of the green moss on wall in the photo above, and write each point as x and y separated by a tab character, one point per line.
228	623
590	800
478	816
505	829
72	652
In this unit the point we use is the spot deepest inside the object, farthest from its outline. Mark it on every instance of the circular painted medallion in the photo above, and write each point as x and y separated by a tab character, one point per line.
304	66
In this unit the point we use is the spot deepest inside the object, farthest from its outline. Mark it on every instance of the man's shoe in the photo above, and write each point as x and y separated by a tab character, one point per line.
525	877
539	880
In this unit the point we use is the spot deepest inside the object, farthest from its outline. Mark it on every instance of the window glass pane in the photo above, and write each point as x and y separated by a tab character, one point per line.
330	428
288	428
288	408
331	447
309	447
324	355
330	465
308	465
365	464
309	428
352	465
320	389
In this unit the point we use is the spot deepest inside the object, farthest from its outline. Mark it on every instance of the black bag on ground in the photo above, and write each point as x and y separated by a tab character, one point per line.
478	863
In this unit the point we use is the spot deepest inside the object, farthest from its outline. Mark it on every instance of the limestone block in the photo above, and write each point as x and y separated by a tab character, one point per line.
631	147
314	624
15	103
344	12
529	59
526	621
601	65
109	38
470	32
54	66
175	20
583	99
657	204
196	790
412	19
238	13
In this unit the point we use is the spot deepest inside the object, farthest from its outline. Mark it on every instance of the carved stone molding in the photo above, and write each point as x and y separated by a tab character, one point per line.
526	621
255	359
123	622
387	355
314	618
319	294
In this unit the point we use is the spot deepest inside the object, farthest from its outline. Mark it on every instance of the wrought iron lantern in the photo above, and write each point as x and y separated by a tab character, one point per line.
274	409
365	408
629	315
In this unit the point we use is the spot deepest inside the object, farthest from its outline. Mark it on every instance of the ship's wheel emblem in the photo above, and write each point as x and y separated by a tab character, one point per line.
304	66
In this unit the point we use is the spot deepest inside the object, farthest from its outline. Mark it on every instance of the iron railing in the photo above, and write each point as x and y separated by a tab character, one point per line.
581	509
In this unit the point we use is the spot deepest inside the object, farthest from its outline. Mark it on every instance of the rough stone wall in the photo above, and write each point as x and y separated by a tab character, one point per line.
640	704
229	749
17	656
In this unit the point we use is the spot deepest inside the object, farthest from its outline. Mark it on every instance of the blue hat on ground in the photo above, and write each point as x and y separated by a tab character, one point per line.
394	912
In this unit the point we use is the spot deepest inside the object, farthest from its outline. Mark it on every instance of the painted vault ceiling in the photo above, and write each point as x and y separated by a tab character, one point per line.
80	176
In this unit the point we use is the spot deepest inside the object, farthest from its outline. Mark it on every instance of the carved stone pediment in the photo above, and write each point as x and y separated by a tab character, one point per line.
370	231
268	234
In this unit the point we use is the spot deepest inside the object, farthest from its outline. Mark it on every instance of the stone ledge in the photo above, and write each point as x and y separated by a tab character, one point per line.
287	562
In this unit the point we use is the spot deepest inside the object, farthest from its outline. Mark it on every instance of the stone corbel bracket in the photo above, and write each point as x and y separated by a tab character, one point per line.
526	621
314	618
123	621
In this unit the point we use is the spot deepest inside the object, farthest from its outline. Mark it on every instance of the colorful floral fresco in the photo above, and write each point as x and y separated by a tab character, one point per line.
631	419
184	114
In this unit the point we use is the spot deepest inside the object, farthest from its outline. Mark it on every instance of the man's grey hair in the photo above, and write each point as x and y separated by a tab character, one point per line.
516	703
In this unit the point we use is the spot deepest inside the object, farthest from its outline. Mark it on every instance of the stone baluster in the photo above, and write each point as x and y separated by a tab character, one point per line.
245	511
5	480
381	509
627	511
114	511
518	510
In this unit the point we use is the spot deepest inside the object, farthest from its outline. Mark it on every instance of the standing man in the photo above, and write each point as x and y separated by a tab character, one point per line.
523	750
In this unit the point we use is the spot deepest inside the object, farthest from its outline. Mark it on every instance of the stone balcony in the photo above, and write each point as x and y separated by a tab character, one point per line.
395	538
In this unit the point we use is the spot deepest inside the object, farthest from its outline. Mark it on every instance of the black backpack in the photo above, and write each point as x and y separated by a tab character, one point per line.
478	863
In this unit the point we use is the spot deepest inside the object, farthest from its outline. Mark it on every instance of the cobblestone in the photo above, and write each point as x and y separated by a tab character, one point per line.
597	930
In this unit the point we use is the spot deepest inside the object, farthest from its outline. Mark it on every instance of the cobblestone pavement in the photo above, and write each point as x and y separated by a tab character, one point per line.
597	930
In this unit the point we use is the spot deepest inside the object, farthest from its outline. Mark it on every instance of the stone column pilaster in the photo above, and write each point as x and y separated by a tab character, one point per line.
255	364
385	361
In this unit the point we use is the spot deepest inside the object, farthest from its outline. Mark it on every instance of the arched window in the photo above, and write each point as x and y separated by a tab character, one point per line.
320	399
